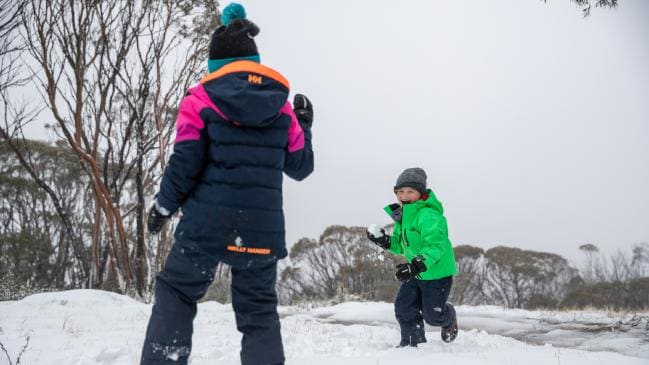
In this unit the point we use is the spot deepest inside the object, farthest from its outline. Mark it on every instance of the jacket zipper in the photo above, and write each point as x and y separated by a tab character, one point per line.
404	238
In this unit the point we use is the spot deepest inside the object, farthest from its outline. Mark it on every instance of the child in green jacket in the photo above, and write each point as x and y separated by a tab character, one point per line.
421	235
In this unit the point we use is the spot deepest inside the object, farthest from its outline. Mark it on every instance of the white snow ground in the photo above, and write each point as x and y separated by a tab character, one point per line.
95	327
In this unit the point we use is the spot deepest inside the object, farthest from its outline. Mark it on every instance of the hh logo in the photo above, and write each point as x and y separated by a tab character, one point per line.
254	79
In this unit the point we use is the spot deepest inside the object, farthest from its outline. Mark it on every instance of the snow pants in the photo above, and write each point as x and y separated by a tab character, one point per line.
420	300
188	272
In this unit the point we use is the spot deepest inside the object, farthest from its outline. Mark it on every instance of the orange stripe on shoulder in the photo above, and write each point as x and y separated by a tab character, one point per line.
246	66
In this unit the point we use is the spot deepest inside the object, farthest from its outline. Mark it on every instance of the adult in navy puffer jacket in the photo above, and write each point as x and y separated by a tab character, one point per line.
236	136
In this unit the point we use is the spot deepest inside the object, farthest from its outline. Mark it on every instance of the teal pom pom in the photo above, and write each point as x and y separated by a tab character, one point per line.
232	12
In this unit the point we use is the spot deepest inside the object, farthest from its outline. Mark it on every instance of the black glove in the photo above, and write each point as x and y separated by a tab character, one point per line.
383	241
156	219
409	270
303	110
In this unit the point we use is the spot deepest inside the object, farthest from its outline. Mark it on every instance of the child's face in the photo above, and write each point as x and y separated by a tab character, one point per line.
407	195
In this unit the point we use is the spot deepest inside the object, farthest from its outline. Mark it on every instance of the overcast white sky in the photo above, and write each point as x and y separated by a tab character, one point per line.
531	121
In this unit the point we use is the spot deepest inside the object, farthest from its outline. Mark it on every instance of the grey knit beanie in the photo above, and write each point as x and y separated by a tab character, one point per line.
413	177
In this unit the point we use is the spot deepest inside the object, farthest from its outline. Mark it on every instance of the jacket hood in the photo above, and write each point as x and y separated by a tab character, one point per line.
432	202
247	93
395	210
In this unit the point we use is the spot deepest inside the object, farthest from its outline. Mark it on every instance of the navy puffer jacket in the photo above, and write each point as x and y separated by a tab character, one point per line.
236	135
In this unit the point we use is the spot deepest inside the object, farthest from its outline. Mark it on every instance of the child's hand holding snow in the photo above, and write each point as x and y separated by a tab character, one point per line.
375	230
377	235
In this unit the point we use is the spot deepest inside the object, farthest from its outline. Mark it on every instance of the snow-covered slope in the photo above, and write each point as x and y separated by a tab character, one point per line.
96	327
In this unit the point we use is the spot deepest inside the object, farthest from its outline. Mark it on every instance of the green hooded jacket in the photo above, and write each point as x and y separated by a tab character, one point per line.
420	230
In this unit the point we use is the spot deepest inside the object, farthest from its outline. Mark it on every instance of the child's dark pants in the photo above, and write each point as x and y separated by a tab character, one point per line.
419	301
188	273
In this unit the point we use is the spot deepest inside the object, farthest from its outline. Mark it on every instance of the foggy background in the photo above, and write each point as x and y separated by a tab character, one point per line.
531	121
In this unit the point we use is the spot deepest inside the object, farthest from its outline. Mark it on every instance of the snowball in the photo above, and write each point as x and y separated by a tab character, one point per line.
375	230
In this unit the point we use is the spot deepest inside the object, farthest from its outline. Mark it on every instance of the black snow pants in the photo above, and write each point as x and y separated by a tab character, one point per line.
188	273
420	300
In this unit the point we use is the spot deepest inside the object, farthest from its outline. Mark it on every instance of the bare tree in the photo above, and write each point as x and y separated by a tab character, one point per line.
640	260
514	276
586	5
590	267
469	281
619	266
149	97
220	290
319	261
20	354
67	40
10	49
341	264
38	250
16	114
111	73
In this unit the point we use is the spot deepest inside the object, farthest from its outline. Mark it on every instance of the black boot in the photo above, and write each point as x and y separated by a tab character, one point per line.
412	340
406	343
449	333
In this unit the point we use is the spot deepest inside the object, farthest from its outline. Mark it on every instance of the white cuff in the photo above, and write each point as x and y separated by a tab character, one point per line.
164	211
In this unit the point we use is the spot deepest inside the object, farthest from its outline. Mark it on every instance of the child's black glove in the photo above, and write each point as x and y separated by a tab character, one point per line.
156	219
409	270
382	241
303	110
